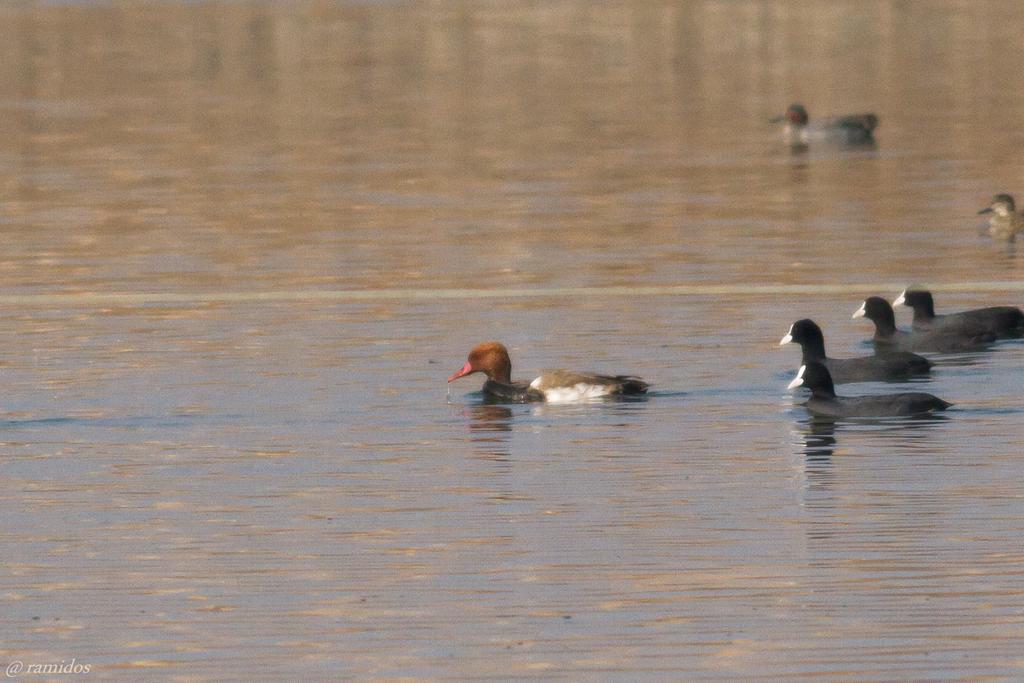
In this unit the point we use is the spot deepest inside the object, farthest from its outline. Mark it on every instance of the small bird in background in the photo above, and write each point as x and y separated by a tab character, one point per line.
852	129
1005	222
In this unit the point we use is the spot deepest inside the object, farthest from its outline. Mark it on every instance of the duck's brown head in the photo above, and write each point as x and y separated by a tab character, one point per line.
490	358
796	115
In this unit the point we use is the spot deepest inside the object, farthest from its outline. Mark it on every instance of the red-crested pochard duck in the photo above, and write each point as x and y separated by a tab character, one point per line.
553	386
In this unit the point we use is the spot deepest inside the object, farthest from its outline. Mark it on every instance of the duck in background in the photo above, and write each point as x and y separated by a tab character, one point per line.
1005	222
553	386
851	129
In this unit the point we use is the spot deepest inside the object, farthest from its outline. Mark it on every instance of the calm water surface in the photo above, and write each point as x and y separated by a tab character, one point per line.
220	465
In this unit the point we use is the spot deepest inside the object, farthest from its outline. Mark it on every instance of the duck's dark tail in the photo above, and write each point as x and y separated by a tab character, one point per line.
632	385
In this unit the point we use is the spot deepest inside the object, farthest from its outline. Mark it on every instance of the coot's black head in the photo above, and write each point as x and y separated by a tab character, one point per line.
815	377
877	310
918	299
797	115
808	335
1002	204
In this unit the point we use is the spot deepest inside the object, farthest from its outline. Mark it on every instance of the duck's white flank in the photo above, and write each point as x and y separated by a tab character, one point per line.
581	391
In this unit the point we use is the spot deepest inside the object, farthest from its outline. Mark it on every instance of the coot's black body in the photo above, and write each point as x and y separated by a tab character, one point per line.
879	367
1002	321
887	337
824	401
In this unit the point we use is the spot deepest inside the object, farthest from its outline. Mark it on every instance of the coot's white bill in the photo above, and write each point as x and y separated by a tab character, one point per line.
799	379
788	338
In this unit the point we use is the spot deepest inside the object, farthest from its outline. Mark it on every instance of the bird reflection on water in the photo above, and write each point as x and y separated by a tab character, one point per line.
820	436
490	428
818	433
819	440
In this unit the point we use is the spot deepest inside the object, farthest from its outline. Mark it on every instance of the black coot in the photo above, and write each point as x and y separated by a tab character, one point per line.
1002	321
824	401
880	367
877	310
